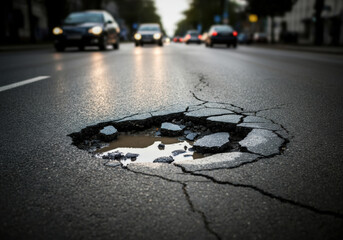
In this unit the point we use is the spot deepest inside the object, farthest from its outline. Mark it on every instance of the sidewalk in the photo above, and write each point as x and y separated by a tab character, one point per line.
304	48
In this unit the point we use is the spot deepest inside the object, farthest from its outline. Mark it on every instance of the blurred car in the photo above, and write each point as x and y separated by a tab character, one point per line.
148	33
260	37
88	28
166	40
221	34
177	39
204	36
244	38
192	36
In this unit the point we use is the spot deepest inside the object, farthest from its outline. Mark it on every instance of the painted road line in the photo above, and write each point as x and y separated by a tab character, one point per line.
18	84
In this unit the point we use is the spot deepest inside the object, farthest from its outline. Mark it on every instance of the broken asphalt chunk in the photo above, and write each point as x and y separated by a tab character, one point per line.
207	112
221	160
262	142
264	125
108	133
170	129
212	143
228	120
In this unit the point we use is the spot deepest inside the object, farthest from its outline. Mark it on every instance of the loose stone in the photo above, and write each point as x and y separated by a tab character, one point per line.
178	152
112	164
164	160
131	155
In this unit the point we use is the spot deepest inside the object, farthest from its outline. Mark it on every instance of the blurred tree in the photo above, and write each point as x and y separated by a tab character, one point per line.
138	11
203	12
271	8
319	25
56	11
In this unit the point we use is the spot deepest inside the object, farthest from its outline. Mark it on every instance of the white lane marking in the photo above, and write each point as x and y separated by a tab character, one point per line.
18	84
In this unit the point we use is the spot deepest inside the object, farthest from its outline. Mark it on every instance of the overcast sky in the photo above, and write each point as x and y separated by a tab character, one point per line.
171	12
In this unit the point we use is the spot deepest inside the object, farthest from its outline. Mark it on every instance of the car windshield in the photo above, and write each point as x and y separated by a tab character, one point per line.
223	29
149	28
76	18
193	33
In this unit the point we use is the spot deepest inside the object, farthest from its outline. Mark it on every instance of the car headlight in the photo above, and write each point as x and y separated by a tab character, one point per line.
138	36
95	30
57	31
157	36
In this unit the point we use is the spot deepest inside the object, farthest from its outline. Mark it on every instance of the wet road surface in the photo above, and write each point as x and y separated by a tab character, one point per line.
51	189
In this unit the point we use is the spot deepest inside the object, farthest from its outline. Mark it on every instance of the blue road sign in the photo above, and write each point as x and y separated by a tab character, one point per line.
199	28
217	19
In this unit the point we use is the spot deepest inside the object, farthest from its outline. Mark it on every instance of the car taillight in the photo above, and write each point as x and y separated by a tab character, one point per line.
199	36
235	34
188	36
214	34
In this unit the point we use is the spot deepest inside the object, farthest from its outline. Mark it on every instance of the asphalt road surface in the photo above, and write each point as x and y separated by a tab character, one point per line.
52	190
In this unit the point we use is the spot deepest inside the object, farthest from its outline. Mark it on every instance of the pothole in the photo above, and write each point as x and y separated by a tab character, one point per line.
193	135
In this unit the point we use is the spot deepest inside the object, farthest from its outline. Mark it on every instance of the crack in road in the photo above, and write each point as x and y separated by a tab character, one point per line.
202	83
263	192
188	199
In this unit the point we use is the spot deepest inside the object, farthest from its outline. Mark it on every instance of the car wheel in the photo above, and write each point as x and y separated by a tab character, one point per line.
81	48
116	46
59	47
211	44
234	45
160	44
228	45
142	44
103	43
137	44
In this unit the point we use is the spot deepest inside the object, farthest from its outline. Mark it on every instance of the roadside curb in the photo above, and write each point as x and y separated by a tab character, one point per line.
325	50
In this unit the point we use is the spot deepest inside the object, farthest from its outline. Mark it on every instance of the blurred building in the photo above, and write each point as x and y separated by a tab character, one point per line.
32	20
15	19
298	25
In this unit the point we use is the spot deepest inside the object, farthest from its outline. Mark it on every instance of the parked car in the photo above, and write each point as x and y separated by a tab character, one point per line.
177	39
88	28
148	33
260	37
221	34
192	36
244	38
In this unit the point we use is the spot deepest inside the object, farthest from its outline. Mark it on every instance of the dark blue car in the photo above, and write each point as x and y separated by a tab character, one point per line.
221	34
88	28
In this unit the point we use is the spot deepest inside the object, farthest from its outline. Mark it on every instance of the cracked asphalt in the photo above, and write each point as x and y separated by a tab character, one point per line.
52	190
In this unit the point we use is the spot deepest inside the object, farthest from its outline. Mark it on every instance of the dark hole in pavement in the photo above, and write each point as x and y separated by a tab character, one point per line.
163	139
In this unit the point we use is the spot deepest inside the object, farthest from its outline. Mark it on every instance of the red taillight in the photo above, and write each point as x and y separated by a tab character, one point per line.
199	36
188	36
235	34
214	34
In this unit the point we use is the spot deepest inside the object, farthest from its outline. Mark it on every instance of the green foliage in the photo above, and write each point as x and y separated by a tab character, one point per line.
138	11
203	12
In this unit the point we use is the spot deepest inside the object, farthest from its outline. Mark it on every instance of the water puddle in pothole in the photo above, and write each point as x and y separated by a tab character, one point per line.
127	149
